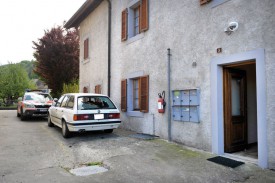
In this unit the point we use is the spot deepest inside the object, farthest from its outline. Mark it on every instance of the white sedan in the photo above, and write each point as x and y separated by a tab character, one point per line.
80	112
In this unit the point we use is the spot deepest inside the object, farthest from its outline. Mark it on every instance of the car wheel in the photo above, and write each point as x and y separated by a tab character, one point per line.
109	131
65	131
50	124
22	115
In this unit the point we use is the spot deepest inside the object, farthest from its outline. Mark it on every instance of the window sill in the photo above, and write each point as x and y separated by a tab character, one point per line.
135	114
135	38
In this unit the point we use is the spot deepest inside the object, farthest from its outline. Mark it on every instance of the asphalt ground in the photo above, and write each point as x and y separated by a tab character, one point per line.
30	151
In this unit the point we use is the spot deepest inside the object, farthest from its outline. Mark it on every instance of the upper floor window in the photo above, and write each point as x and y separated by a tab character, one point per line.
134	19
86	48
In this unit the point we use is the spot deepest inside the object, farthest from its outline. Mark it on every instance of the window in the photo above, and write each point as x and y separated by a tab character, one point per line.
138	94
98	89
94	102
64	102
86	48
134	19
85	89
58	103
71	102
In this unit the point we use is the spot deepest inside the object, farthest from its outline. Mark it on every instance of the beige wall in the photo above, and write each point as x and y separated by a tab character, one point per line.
94	70
193	33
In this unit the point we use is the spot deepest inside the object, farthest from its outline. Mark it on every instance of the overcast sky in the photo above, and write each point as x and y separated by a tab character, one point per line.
24	21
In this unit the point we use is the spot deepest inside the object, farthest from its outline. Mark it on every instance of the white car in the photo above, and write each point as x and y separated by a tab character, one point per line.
34	103
80	112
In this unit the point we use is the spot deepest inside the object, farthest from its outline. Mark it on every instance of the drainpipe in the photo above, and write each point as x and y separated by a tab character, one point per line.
169	97
109	46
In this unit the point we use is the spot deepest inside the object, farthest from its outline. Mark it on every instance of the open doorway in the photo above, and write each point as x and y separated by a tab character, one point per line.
217	105
240	109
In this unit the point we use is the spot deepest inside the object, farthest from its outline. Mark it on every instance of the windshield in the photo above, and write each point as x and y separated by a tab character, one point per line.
94	102
39	97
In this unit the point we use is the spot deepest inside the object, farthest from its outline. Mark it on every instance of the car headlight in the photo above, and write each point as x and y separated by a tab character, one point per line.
29	106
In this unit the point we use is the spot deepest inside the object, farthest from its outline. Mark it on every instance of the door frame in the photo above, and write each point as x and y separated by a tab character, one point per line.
217	117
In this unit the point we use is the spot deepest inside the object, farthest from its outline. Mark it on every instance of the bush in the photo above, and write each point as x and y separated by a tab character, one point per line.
72	87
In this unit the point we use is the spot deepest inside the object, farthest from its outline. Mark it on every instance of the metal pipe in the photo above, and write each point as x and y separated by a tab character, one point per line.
109	46
169	97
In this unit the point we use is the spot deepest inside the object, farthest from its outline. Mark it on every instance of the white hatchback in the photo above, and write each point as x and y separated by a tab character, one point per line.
80	112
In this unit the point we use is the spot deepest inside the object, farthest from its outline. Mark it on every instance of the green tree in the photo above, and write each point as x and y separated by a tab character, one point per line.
28	66
72	87
13	82
57	55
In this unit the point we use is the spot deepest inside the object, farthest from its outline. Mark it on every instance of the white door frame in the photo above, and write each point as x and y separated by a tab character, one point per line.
217	101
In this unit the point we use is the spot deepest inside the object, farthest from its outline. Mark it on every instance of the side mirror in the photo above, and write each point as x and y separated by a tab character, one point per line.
19	99
54	101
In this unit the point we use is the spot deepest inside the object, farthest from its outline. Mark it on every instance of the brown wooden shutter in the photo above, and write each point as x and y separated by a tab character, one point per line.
86	48
124	20
144	93
202	2
98	89
144	21
85	90
124	95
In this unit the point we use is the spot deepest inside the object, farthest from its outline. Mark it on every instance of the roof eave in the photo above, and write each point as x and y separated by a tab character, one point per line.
88	7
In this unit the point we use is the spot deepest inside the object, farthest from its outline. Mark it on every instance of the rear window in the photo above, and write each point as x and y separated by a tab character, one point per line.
94	102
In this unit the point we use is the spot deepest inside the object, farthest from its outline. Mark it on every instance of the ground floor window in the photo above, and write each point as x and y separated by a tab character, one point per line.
135	94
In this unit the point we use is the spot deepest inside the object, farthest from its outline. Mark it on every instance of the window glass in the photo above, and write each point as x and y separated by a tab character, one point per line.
71	102
136	94
64	102
58	103
136	21
39	97
94	102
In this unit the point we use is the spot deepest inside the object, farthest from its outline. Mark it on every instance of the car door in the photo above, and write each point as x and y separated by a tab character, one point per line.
60	110
54	110
68	109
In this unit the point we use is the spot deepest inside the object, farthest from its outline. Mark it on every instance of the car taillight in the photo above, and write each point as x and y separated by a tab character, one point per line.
114	116
79	117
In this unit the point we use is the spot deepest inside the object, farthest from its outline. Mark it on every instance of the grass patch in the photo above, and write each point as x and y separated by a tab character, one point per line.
94	164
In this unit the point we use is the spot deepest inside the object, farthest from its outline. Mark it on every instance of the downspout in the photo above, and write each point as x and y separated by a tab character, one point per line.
109	46
169	97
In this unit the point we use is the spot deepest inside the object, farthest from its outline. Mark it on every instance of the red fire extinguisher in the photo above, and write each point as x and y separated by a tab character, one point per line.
161	102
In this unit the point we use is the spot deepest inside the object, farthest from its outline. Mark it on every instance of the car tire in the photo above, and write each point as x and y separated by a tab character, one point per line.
109	131
22	117
50	124
65	131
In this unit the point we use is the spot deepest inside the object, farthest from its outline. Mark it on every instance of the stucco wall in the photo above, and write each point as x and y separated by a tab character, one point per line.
193	33
94	70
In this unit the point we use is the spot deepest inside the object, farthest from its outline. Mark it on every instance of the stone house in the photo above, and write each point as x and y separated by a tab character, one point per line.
212	59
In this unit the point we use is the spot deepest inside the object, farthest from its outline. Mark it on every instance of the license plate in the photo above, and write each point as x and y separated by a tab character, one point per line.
43	110
99	116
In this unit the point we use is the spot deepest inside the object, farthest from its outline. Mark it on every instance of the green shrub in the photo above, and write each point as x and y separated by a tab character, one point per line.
72	87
